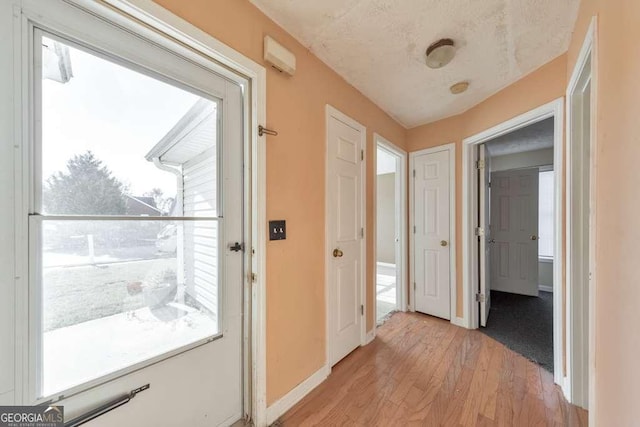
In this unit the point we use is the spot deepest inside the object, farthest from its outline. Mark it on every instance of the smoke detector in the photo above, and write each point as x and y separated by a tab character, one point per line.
440	53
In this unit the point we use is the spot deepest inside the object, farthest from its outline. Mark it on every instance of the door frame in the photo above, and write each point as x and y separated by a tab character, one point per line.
172	32
333	113
574	340
401	214
470	206
453	290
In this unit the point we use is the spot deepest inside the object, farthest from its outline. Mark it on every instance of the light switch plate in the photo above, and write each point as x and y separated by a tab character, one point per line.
277	230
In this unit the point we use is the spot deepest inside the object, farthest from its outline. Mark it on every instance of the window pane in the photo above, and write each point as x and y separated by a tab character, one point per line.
102	126
115	293
545	214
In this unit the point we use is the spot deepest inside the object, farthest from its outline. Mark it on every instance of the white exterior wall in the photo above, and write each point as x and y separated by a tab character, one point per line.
201	239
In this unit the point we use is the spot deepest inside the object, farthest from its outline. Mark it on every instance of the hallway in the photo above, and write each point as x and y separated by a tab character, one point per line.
424	371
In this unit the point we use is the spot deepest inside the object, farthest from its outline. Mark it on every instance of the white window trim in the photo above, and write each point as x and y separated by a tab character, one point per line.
168	28
545	258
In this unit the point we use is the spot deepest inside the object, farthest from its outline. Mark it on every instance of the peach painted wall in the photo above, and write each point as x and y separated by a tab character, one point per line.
544	85
295	183
617	299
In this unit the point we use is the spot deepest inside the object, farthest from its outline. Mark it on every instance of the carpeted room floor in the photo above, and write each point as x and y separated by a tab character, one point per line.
524	324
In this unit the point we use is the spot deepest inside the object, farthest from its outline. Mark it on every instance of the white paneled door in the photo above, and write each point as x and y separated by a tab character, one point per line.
484	236
345	234
514	227
432	253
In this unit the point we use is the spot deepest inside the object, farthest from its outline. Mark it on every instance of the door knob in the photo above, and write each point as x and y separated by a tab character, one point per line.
534	237
492	240
337	253
443	243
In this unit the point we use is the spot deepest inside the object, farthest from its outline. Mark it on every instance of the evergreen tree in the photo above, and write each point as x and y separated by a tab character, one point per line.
87	188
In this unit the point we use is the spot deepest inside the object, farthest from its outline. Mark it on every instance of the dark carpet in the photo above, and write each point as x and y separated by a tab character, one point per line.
524	324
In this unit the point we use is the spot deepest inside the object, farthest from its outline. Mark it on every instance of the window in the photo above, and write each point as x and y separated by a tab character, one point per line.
124	218
546	214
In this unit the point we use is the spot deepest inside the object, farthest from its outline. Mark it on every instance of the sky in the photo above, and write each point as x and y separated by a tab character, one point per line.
117	113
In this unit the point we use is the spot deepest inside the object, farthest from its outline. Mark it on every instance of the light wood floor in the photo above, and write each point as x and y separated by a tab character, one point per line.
424	371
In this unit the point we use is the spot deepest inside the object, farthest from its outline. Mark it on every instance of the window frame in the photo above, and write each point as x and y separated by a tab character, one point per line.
543	169
50	23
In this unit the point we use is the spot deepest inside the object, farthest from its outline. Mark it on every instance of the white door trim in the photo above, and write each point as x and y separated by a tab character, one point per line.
233	65
553	109
451	148
587	52
331	112
401	191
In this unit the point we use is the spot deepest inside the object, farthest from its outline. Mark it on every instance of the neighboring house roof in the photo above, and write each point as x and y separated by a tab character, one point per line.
141	205
193	134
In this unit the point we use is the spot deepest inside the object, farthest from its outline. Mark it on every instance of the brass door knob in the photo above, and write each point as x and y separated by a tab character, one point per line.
443	243
337	253
534	237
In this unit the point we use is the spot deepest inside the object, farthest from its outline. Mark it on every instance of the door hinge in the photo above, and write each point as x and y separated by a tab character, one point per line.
480	164
480	298
254	277
479	231
489	184
414	173
362	310
362	232
414	286
361	154
414	229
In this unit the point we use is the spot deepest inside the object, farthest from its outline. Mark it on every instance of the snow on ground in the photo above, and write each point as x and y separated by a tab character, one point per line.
82	352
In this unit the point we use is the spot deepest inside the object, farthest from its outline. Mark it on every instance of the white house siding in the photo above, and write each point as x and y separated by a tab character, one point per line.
201	238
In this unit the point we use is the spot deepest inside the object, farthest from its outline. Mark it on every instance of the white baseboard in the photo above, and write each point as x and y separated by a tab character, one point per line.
545	288
286	402
459	321
370	336
564	386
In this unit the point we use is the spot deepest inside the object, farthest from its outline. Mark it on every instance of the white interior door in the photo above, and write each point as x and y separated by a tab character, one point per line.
432	252
345	234
484	236
514	227
147	113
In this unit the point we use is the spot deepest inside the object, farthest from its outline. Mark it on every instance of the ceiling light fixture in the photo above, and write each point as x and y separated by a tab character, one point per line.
459	87
440	53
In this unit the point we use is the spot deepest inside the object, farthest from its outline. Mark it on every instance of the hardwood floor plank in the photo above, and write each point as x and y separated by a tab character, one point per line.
424	371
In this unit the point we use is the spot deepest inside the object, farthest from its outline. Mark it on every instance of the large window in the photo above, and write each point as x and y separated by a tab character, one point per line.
546	214
124	221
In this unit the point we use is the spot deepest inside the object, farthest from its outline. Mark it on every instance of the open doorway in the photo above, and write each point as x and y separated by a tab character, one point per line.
390	229
519	204
477	235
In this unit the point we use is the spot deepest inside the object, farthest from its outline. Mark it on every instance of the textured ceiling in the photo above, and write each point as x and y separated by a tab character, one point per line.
378	46
533	137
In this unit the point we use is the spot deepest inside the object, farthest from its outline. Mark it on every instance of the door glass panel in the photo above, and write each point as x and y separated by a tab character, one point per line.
118	284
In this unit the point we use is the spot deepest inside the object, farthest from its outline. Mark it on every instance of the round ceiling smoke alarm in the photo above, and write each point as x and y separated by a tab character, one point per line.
440	53
459	87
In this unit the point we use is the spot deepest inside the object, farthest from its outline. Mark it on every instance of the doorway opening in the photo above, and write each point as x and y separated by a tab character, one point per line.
390	229
581	169
518	203
519	252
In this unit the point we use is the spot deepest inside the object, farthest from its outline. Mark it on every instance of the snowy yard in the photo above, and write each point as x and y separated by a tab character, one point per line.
81	293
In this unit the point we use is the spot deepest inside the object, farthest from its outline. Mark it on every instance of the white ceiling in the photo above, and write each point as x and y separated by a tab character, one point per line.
537	136
379	46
